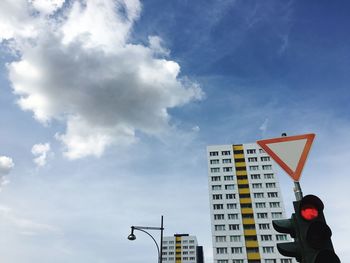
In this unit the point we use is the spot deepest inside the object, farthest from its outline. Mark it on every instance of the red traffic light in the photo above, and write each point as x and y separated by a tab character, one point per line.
310	207
309	212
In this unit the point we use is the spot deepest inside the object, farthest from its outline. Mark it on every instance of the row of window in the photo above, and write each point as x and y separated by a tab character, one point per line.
233	196
238	238
177	247
283	260
173	242
257	205
239	250
217	178
177	253
255	159
274	215
216	153
179	258
266	167
232	186
249	151
250	160
223	227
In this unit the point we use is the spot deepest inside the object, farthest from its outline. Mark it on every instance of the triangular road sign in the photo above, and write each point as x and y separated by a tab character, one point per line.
289	152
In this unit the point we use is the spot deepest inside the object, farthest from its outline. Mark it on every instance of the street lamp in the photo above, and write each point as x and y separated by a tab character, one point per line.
142	229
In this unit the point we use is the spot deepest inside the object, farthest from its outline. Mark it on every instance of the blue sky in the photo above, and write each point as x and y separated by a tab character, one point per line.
106	109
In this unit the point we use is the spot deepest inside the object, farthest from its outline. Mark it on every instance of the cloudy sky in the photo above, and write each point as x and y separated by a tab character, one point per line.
107	106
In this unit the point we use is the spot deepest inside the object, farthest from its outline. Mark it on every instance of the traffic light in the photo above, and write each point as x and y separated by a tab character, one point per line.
312	236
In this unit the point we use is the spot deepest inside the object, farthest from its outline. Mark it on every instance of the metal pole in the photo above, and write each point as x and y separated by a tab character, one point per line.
161	240
297	191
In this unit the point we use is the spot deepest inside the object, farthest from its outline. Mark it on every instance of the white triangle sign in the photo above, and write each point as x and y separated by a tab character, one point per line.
289	152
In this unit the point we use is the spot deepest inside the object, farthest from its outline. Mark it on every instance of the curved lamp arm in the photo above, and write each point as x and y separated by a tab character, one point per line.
155	242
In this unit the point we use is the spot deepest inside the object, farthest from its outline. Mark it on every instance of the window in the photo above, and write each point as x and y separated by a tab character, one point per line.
226	160
217	197
252	250
219	227
266	237
259	185
218	206
229	186
230	196
255	176
265	158
260	205
185	247
270	185
243	186
252	159
247	216
231	206
251	151
191	241
228	178
262	215
215	170
236	250
250	226
227	169
215	178
232	216
214	153
215	161
264	226
248	205
222	261
281	237
274	204
268	250
258	195
286	260
272	194
261	151
254	167
165	248
237	261
225	153
267	167
270	260
221	250
216	187
268	176
276	214
171	242
235	238
244	195
220	238
219	217
233	227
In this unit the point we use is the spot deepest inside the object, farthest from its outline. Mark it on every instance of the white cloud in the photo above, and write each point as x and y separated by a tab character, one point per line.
41	152
82	70
263	127
47	6
6	165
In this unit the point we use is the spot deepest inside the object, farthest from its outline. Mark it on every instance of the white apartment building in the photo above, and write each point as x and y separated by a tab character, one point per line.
181	248
244	199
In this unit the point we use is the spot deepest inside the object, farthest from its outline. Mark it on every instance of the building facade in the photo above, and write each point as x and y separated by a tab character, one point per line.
244	199
182	248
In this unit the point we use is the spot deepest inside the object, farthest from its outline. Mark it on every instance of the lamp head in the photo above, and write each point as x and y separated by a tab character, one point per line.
132	236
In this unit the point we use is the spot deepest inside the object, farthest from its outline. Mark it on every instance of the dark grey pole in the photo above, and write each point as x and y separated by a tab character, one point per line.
161	240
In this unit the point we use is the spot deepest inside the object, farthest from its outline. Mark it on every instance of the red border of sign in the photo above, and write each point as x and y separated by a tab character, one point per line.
297	173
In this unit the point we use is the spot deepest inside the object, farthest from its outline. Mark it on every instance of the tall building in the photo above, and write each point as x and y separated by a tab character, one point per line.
182	248
244	199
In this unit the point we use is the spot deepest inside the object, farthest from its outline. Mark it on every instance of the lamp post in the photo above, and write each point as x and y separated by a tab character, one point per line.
142	229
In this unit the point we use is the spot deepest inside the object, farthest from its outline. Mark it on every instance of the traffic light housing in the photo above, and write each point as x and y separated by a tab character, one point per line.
312	236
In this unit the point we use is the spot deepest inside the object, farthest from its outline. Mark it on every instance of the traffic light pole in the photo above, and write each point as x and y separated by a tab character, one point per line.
297	191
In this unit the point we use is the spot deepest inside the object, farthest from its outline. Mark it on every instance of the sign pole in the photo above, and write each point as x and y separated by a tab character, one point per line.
297	191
